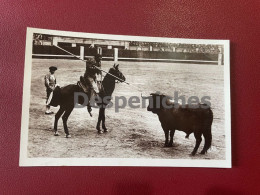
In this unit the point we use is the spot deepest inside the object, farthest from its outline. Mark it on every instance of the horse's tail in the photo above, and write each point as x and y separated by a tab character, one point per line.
55	97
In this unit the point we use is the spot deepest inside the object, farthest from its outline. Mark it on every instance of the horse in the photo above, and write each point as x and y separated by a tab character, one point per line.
66	101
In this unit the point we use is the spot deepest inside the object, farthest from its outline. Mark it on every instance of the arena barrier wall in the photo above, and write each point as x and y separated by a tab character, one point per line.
52	52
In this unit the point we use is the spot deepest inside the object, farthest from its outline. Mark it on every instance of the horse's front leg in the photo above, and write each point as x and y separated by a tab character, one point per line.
103	120
99	120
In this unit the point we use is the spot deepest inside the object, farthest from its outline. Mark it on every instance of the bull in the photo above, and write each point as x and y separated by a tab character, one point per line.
195	119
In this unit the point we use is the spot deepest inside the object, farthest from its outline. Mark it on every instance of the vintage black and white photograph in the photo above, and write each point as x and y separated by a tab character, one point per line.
116	100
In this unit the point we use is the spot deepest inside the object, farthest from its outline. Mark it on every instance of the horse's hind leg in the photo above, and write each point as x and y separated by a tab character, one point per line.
198	141
65	119
57	117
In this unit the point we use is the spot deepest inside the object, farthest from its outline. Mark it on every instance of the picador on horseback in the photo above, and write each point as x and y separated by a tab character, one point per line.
91	84
91	81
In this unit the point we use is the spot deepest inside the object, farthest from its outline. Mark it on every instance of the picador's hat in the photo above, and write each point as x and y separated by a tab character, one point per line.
53	68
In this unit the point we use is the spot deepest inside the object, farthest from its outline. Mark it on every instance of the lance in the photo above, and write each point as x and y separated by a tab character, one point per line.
94	66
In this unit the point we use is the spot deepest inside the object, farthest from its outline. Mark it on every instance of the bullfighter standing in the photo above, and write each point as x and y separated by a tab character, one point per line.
50	84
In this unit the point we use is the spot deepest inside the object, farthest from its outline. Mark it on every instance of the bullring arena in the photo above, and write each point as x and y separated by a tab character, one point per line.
132	133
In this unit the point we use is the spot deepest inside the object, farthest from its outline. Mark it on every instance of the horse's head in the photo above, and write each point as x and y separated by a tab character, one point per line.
117	73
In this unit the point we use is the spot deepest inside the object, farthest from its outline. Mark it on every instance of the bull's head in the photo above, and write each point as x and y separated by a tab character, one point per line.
154	103
158	102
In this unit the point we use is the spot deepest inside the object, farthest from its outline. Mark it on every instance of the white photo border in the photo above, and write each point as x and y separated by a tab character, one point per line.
25	161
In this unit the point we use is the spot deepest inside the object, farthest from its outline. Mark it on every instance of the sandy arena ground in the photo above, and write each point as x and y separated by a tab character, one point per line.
133	133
